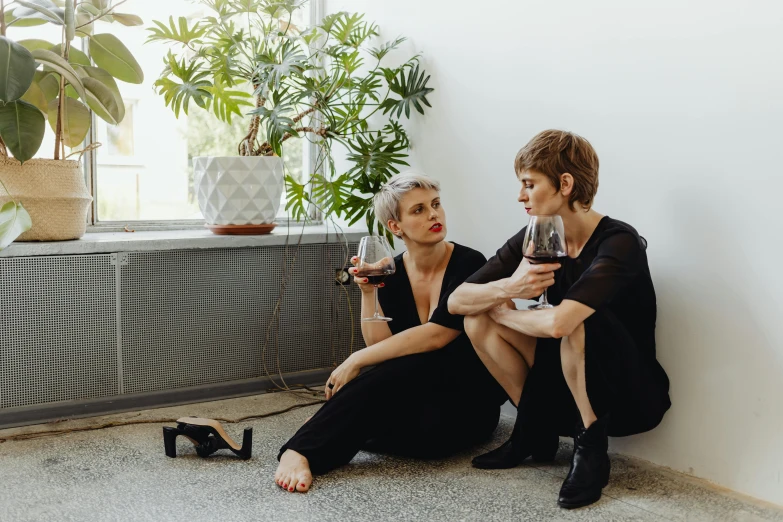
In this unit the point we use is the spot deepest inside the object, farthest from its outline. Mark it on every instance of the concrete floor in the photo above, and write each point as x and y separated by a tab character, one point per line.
121	473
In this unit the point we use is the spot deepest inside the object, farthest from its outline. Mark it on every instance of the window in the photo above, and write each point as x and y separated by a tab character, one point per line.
142	172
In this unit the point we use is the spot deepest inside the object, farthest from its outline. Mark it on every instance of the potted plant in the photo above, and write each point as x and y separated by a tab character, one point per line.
45	199
324	83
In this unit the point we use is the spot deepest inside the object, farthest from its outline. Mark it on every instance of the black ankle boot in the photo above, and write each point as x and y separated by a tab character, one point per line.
526	441
511	454
589	472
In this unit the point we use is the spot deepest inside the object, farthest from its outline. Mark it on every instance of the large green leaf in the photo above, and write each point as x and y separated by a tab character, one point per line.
43	9
375	160
127	19
75	56
35	96
49	83
412	90
17	68
70	22
297	198
60	66
108	80
179	32
14	220
330	195
194	85
12	19
101	99
88	9
110	54
32	44
76	121
386	48
226	103
275	66
22	128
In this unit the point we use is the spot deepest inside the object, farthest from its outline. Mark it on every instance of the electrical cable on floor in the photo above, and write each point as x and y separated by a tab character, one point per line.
115	424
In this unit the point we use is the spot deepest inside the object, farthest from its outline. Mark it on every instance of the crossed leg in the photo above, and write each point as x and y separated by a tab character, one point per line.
509	355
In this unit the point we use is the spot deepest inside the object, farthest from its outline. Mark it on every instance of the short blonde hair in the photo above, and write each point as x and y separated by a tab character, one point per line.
387	200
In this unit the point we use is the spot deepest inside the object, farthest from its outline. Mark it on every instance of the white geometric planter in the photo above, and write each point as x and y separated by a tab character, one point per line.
239	190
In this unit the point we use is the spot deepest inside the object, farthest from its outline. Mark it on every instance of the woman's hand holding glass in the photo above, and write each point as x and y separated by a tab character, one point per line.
364	283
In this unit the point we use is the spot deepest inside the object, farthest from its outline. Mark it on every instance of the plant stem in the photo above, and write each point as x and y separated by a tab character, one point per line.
320	131
3	150
2	18
59	142
305	113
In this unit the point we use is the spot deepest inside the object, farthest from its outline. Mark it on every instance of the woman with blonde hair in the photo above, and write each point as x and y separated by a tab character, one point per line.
428	395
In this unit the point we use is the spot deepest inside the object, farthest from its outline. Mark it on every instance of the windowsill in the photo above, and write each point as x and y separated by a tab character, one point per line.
110	242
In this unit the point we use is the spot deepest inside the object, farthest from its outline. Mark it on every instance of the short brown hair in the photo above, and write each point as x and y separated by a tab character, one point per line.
555	152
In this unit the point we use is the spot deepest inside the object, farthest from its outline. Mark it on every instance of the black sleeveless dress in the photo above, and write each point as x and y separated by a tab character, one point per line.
425	405
611	275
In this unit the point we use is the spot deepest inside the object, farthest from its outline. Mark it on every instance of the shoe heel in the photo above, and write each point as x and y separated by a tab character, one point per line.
247	444
170	441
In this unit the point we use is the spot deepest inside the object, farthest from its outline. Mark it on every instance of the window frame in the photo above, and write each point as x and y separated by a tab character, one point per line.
90	168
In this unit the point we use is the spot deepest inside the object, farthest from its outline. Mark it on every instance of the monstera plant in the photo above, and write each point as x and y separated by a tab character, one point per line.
327	84
56	82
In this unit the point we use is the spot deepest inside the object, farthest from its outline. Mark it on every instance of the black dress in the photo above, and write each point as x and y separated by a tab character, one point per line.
425	405
623	377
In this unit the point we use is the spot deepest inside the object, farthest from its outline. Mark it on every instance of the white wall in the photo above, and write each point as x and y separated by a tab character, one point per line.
683	101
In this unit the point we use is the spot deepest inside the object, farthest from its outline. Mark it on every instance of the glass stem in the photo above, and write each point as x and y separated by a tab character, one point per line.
375	291
545	301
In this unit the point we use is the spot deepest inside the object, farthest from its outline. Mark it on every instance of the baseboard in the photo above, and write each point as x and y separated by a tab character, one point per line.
42	413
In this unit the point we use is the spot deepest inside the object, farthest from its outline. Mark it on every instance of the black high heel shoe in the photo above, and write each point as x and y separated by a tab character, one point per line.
207	436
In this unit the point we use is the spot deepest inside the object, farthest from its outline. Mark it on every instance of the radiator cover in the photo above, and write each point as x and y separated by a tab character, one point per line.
83	327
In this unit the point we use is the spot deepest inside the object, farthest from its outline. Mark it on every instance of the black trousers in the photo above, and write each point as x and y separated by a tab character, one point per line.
427	406
623	379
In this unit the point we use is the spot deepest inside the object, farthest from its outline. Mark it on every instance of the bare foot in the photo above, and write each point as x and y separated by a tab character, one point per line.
293	473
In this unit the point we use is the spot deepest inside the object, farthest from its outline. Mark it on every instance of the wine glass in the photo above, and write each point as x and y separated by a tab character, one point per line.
544	243
375	263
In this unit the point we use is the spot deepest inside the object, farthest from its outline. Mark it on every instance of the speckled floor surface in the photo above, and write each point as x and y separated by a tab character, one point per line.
122	474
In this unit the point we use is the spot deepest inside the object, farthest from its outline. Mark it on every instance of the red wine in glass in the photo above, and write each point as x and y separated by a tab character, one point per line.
375	264
374	277
539	260
544	243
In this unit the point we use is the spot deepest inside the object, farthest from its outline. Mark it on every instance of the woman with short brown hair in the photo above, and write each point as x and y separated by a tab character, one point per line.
589	360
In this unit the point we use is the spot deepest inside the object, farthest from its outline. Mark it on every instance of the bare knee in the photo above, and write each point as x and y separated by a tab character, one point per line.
476	326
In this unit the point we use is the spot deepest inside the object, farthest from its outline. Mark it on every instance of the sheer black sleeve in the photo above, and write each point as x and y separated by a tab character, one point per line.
467	262
619	260
503	263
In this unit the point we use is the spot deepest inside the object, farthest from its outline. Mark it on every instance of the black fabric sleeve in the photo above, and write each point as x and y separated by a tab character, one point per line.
503	263
619	260
468	262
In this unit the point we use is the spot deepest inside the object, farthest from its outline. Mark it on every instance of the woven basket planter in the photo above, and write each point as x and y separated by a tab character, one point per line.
52	192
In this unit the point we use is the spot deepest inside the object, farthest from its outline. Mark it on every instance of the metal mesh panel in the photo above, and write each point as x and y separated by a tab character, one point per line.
202	317
58	336
315	329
